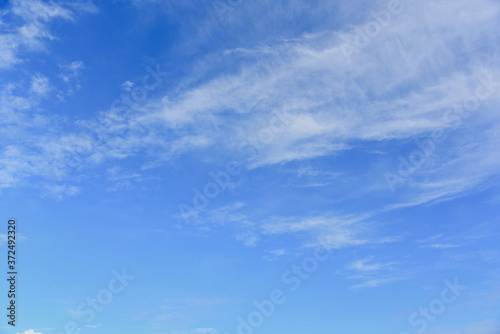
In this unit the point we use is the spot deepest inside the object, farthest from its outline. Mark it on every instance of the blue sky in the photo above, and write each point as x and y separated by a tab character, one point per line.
236	166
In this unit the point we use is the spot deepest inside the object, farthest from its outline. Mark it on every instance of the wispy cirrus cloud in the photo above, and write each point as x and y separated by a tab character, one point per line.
333	231
26	26
394	89
372	274
329	230
365	265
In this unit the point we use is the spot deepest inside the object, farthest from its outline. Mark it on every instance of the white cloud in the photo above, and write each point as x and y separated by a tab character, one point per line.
33	28
377	282
163	317
331	102
206	330
373	275
127	85
328	98
58	192
274	254
361	265
330	230
248	238
32	10
40	85
30	331
443	246
396	88
439	241
277	252
71	74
